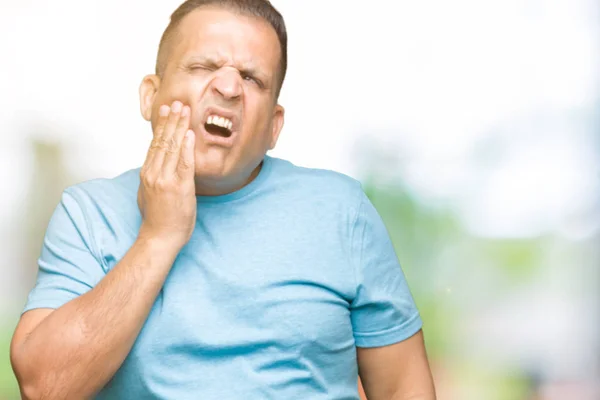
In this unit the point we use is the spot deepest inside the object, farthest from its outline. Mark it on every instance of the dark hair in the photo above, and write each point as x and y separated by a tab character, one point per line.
258	8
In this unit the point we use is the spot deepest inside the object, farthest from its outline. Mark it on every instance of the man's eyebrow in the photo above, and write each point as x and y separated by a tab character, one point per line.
201	59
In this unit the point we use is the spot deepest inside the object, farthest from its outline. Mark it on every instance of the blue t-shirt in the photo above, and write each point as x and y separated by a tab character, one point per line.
279	283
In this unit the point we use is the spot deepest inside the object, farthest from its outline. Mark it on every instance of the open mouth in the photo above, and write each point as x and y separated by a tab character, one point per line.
219	126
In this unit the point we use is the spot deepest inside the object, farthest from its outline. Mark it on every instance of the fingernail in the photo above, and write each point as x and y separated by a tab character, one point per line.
185	112
163	111
176	107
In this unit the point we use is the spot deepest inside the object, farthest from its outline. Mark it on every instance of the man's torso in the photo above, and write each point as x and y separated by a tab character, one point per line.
257	303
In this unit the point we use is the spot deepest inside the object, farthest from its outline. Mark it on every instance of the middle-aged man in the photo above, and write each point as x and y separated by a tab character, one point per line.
215	271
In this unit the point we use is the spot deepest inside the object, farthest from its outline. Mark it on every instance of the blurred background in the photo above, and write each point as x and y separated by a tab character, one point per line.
473	125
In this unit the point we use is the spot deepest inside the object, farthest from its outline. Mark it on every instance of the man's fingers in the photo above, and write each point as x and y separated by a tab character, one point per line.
163	114
173	153
186	164
163	140
163	117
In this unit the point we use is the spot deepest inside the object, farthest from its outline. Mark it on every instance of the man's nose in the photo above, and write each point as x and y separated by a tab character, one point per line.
228	83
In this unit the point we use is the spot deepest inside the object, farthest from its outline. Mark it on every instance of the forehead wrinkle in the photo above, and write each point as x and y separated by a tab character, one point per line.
189	41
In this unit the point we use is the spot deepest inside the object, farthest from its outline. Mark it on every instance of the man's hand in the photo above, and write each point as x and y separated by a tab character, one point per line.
167	193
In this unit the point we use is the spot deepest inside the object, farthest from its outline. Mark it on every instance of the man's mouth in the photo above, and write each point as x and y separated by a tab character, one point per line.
217	125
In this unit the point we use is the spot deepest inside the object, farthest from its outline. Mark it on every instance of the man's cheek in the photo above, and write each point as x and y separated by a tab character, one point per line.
194	89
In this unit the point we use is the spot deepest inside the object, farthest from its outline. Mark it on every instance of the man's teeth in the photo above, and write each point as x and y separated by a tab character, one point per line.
220	121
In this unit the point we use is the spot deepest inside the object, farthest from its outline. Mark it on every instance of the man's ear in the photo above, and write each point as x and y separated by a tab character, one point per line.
278	119
148	89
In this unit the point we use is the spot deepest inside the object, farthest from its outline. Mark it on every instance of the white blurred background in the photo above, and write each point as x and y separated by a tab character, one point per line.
474	126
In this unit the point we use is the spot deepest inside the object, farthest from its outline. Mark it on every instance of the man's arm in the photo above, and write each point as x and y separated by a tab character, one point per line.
361	391
72	352
396	372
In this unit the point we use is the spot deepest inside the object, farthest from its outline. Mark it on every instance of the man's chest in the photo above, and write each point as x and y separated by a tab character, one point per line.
249	291
260	301
267	314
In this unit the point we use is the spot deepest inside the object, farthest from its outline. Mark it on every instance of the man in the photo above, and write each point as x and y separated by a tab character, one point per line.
215	271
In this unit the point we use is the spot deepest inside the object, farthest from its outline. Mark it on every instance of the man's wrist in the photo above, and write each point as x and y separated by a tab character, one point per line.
159	244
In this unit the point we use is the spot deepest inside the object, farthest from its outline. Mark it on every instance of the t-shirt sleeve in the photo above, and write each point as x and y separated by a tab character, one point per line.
67	266
383	311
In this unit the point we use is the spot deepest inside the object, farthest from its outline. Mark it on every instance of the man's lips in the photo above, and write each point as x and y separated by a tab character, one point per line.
209	137
224	121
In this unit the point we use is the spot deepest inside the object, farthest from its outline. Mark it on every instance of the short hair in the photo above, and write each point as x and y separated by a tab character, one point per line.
262	9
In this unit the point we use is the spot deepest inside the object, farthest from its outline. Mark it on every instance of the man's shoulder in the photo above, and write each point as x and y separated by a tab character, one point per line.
103	192
315	177
318	182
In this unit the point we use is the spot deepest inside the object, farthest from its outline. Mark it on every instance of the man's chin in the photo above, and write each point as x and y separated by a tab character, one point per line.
210	172
212	163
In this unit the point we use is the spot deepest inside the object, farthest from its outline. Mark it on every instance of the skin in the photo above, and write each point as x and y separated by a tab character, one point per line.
396	372
231	63
73	351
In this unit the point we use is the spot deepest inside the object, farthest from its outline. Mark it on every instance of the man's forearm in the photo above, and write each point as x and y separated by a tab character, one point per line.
76	350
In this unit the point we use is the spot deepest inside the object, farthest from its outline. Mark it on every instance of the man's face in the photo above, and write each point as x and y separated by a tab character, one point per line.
225	67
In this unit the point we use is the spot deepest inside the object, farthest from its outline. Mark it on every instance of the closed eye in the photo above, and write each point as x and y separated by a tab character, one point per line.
199	67
250	78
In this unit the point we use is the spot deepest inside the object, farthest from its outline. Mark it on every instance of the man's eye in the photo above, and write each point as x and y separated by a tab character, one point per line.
199	68
251	79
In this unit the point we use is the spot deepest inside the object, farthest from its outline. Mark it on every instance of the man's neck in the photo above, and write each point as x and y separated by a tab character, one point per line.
206	187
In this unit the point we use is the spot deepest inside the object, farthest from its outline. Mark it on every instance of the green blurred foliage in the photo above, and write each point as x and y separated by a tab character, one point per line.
49	179
418	234
435	250
8	384
518	259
